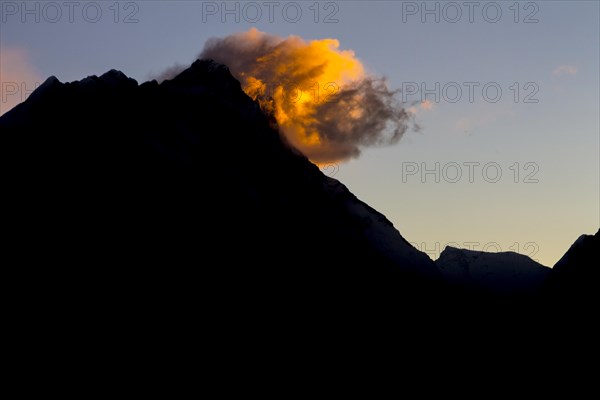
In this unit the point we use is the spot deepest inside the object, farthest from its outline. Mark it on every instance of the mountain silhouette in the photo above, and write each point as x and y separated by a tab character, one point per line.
574	278
188	184
180	200
504	273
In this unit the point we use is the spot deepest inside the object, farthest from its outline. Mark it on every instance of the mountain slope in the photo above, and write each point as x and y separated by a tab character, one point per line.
187	185
575	276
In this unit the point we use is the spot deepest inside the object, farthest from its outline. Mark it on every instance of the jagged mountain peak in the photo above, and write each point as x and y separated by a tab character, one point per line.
191	168
206	73
112	79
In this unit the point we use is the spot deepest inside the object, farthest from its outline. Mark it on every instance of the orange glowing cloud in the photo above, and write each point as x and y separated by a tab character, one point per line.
324	101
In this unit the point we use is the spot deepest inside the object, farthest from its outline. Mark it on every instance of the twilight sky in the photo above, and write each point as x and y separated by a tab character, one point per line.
510	162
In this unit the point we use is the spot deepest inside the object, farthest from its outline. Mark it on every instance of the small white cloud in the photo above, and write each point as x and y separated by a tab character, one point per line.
565	70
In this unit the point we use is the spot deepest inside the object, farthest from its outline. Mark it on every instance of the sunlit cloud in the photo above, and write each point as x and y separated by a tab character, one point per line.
427	105
324	101
565	70
416	108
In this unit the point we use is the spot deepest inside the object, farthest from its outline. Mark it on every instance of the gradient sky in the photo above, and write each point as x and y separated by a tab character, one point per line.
551	53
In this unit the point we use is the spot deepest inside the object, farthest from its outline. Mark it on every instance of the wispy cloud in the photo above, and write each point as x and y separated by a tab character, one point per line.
426	105
565	70
482	119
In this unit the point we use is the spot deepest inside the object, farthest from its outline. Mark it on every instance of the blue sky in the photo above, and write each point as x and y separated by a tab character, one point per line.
550	54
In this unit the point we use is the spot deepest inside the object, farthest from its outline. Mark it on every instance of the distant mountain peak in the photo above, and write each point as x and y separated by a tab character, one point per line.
499	273
112	79
206	73
575	277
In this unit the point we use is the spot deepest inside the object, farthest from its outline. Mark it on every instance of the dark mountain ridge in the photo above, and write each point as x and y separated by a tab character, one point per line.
188	183
182	198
